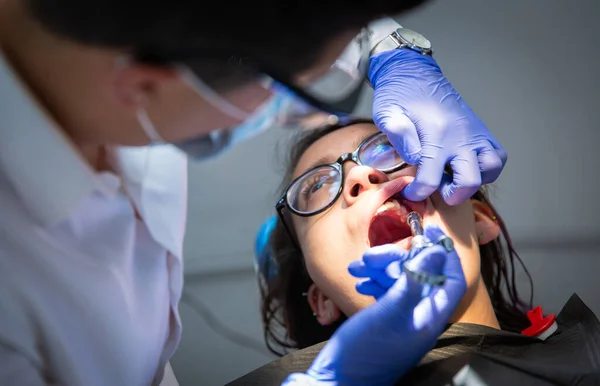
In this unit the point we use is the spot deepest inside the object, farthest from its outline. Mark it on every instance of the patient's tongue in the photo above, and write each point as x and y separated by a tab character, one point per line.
386	229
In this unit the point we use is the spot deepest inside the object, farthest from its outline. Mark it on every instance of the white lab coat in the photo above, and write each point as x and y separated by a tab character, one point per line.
88	293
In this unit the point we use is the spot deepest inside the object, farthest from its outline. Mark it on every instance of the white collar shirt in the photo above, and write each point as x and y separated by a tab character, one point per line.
88	291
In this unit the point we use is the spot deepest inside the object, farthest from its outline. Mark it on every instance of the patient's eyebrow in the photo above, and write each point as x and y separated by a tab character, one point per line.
330	157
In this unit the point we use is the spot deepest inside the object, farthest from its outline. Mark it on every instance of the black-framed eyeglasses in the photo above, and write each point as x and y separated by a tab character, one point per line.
317	189
336	92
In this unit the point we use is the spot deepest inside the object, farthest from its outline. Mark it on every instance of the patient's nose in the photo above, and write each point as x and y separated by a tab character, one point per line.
360	179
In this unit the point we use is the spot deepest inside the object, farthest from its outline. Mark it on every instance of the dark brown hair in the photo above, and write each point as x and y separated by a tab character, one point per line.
288	320
213	38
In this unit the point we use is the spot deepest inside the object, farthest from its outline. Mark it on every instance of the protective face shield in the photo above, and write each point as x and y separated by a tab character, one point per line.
283	109
218	140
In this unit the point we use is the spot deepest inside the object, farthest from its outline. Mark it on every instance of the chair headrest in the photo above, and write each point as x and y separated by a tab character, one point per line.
264	263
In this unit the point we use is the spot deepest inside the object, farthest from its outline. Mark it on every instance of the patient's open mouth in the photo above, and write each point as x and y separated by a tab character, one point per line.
389	225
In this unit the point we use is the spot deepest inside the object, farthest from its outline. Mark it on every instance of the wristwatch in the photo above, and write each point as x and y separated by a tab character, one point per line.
403	38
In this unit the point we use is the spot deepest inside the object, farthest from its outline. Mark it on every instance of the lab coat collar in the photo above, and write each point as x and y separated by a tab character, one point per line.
155	179
43	167
51	178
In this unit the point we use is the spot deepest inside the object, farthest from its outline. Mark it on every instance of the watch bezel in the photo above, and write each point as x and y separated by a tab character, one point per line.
403	43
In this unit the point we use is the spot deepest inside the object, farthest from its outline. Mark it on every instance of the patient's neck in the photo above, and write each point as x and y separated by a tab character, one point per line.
476	308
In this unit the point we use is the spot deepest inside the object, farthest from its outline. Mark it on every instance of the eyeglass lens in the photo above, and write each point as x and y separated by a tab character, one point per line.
319	187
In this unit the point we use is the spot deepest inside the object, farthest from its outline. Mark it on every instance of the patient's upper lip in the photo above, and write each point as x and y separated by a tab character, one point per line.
394	187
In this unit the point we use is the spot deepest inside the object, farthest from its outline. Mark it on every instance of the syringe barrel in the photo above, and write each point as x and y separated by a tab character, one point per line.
415	222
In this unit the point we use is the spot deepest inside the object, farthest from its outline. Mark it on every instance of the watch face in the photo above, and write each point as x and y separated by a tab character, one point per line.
414	38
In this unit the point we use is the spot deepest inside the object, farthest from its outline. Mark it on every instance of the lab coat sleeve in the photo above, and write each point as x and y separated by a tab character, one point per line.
20	363
17	369
378	30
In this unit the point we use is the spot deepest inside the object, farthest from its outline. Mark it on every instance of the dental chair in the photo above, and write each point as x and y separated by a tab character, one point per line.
264	265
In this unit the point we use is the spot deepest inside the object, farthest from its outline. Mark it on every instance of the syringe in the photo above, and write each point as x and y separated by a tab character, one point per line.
415	222
418	243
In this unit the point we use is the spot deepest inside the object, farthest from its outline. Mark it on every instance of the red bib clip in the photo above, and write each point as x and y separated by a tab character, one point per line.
541	327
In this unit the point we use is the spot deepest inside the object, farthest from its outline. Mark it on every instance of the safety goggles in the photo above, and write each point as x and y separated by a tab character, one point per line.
337	91
318	189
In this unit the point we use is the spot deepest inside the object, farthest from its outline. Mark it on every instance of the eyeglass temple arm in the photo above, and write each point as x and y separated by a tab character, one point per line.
279	207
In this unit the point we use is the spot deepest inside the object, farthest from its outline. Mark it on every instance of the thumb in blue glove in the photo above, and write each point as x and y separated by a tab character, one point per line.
430	125
382	265
382	342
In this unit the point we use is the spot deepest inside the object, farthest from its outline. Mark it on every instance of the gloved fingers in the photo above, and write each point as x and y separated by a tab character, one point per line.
370	287
497	145
381	256
428	177
452	266
407	292
500	151
430	260
384	276
359	270
455	278
433	233
502	154
447	297
453	269
388	276
375	260
400	300
399	128
466	178
490	163
443	300
295	379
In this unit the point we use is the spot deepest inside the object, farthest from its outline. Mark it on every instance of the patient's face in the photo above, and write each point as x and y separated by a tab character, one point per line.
340	235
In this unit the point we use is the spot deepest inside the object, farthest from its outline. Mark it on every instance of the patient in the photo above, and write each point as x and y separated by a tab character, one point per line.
313	293
330	240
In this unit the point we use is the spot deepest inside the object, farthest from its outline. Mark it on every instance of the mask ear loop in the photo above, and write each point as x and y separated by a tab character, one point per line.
141	113
150	130
148	126
211	96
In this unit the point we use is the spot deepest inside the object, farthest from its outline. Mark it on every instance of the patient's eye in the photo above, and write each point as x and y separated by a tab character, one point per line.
380	154
315	190
313	185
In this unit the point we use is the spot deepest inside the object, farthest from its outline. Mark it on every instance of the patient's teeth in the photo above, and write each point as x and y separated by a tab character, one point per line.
389	205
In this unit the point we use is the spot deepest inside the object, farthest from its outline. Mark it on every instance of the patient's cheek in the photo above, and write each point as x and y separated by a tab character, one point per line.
457	222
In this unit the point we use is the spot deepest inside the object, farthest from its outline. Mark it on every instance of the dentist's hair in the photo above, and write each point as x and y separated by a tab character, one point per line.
287	318
289	36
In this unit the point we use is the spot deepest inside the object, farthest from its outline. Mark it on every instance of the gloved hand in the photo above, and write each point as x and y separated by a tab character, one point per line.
382	342
430	125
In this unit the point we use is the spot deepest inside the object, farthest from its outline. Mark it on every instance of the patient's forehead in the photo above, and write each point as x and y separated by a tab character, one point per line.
328	148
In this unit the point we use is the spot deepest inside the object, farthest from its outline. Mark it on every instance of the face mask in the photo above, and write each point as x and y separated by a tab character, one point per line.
221	140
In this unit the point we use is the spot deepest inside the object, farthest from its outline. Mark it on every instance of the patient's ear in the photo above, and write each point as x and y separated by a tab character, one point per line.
324	309
485	223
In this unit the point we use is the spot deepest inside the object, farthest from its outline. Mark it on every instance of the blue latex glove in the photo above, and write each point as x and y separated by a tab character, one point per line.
430	125
381	343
